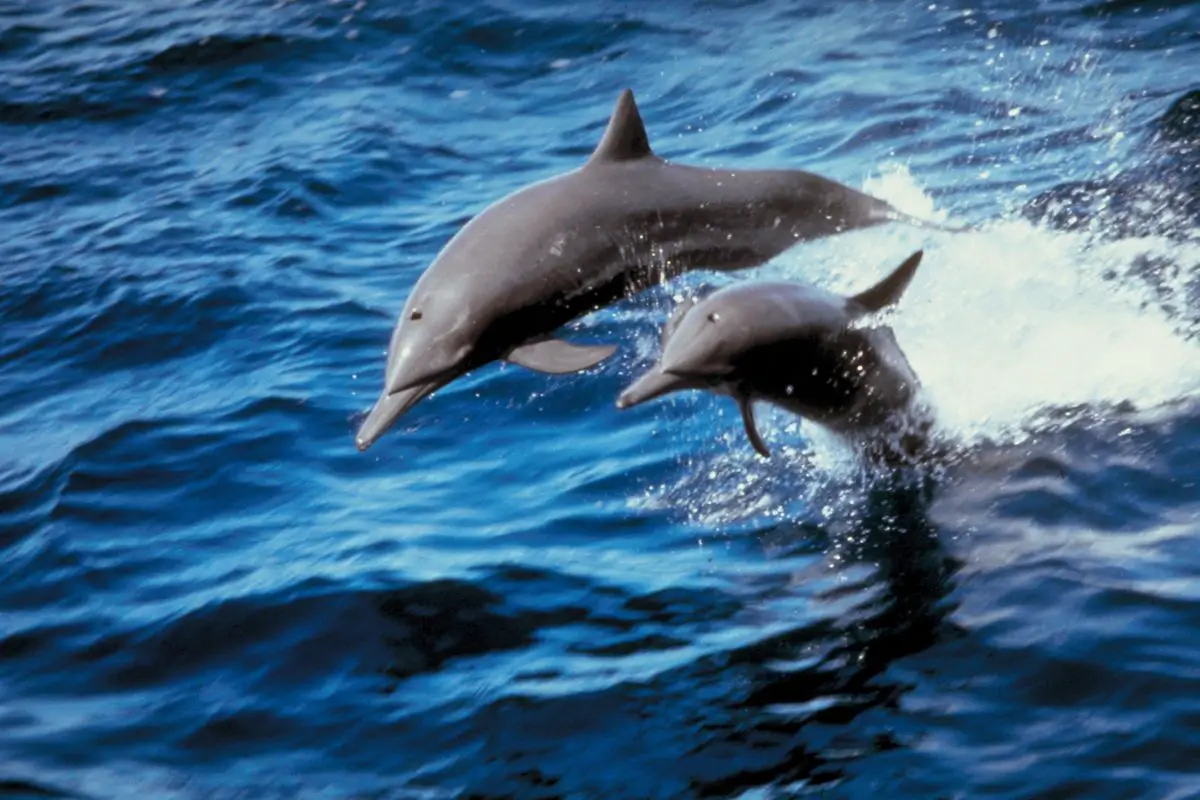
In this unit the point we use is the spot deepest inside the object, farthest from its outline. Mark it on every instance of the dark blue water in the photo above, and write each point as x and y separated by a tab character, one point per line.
210	214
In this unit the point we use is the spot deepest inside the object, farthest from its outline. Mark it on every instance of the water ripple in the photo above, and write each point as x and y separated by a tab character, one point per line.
210	214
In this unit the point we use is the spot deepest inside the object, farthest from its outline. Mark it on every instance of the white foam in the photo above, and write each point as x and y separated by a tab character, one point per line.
1006	322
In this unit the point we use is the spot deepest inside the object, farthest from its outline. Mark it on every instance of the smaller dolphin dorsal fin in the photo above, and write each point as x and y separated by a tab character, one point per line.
889	290
625	137
676	317
746	406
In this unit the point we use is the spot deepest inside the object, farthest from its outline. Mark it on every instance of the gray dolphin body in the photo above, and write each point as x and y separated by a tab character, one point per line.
800	348
559	249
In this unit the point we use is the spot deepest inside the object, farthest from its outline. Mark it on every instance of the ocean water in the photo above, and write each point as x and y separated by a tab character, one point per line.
210	215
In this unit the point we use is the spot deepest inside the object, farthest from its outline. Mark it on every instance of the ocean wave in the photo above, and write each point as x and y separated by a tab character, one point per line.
223	51
210	215
122	324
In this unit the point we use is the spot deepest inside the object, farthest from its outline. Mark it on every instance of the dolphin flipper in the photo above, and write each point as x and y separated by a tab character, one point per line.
556	357
746	405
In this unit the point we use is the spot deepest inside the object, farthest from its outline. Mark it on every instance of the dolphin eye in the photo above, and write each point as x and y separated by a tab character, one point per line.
414	316
714	317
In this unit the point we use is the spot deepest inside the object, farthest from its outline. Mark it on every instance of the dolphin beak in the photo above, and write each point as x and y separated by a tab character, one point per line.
389	408
413	367
401	380
654	383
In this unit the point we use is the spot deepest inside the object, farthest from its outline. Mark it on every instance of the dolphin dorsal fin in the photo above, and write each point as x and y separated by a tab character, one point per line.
625	137
889	290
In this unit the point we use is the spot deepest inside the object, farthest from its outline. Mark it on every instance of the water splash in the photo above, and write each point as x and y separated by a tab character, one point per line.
1003	325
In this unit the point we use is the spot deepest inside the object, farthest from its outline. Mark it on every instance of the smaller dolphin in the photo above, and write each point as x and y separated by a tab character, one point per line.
796	346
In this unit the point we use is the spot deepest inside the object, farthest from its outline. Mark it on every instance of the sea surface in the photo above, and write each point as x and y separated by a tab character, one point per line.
211	213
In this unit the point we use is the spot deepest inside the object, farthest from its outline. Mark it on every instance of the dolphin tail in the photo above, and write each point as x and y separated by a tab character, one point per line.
893	215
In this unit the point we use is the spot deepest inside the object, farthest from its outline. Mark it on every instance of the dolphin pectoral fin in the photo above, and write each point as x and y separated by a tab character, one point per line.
746	405
556	357
889	290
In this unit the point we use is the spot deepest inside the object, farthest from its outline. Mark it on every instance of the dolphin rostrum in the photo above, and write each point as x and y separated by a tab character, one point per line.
556	250
799	347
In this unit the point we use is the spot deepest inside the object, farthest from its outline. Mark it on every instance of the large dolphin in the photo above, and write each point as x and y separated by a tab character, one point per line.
801	348
561	248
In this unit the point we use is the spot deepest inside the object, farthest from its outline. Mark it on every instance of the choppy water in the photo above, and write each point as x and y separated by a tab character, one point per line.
210	213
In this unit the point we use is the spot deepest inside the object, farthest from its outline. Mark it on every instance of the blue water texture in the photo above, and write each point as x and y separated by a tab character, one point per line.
211	213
